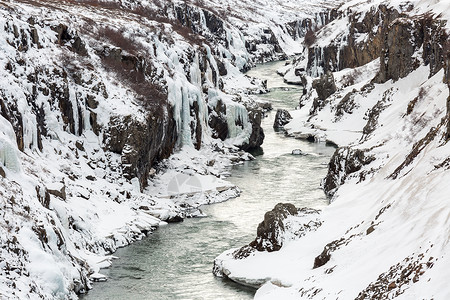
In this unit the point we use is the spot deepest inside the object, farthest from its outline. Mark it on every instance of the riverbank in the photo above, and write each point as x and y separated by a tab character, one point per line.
175	261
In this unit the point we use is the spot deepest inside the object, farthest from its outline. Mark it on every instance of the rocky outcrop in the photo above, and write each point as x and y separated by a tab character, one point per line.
282	117
298	29
141	144
374	113
325	86
257	137
255	115
344	162
349	50
398	278
269	232
218	120
400	45
283	218
325	256
270	41
405	37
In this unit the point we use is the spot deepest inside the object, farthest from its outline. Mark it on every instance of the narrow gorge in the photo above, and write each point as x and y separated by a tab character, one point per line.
120	116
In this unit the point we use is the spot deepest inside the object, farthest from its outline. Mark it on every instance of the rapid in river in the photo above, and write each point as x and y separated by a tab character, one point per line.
175	261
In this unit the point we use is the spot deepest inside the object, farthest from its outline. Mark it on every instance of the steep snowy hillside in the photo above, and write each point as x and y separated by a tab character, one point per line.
377	85
117	116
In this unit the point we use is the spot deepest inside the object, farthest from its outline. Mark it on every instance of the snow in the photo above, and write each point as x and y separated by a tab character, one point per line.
102	210
342	131
392	216
53	246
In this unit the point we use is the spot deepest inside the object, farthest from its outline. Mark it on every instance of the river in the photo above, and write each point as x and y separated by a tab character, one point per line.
175	262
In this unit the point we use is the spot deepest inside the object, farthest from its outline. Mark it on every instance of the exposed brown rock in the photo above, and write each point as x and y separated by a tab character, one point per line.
347	52
60	192
398	278
325	86
141	144
325	256
344	162
401	42
268	232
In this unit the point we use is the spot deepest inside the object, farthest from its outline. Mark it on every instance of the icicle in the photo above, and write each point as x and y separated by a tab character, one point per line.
237	113
195	72
203	20
8	147
74	102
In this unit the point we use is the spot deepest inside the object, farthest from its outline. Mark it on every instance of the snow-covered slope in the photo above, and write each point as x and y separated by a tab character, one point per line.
386	232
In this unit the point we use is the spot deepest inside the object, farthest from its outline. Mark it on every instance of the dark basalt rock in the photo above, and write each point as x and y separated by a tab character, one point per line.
346	105
218	121
404	38
141	144
11	113
325	256
175	219
221	67
348	53
256	139
61	192
214	24
345	161
401	43
325	86
269	231
281	118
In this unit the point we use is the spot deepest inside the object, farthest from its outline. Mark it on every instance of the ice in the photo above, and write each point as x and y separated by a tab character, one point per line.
8	147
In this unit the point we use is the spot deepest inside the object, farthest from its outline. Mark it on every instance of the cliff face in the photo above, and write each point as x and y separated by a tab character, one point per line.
355	45
408	43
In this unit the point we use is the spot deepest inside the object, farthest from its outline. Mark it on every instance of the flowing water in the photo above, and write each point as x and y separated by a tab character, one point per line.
175	262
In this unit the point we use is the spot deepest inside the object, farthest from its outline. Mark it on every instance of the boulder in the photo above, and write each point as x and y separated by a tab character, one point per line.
281	118
265	105
57	189
256	139
269	232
